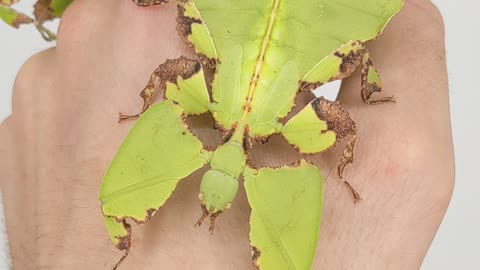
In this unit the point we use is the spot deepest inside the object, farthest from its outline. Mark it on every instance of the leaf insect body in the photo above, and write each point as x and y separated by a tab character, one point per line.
259	70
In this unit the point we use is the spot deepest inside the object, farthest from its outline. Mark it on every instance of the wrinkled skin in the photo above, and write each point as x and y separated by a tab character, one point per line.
63	132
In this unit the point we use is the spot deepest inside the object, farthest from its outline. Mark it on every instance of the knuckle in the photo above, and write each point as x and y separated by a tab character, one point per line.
429	15
78	21
30	74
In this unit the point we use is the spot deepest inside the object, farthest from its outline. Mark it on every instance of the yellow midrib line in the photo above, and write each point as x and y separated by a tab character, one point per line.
260	60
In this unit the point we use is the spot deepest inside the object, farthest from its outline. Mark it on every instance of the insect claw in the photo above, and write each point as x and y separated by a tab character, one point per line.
213	217
202	218
123	117
390	99
356	195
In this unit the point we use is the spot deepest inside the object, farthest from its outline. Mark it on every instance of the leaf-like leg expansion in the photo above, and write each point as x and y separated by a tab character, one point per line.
146	3
13	17
338	65
158	153
47	10
347	156
147	95
318	127
371	82
286	211
342	63
356	195
181	80
120	233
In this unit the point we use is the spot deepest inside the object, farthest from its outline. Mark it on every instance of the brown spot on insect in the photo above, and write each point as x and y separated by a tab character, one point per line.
43	11
309	86
227	134
21	19
146	3
184	29
255	255
247	143
337	118
369	88
350	62
166	72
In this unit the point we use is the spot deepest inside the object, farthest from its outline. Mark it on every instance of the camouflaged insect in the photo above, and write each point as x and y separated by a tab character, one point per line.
44	10
262	54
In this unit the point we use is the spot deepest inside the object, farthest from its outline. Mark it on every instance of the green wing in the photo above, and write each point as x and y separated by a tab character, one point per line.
158	152
286	211
269	46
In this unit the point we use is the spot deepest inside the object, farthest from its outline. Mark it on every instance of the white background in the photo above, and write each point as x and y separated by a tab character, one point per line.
457	243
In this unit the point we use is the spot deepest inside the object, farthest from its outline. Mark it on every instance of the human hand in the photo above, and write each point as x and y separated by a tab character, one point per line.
63	133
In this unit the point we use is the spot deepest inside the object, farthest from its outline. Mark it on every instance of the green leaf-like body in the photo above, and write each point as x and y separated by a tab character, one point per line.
286	209
158	152
262	53
270	46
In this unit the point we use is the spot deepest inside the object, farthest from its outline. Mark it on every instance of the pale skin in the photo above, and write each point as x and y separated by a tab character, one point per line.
63	132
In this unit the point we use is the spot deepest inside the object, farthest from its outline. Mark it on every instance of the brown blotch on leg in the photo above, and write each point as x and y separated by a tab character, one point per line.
338	120
347	156
166	72
369	88
213	217
146	3
255	255
184	29
124	243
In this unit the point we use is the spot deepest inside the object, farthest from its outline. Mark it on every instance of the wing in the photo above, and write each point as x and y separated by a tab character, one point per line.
158	152
273	41
286	211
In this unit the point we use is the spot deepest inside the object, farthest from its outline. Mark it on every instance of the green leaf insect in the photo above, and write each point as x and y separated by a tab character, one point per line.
44	10
262	54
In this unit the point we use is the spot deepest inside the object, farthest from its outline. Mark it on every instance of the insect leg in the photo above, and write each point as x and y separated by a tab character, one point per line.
146	3
371	82
169	72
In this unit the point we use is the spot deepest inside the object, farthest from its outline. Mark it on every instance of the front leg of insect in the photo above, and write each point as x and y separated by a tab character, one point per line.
162	80
158	152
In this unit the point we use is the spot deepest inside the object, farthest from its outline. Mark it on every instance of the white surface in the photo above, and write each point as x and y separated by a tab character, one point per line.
457	243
